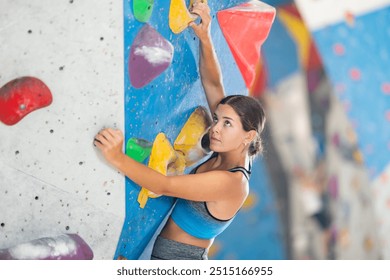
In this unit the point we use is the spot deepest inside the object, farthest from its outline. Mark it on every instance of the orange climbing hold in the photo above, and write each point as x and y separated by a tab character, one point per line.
245	28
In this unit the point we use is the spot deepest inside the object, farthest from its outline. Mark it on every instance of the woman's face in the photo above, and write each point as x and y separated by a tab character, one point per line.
226	133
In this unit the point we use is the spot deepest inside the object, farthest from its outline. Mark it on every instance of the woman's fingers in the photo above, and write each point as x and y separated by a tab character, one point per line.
202	10
109	141
101	139
108	137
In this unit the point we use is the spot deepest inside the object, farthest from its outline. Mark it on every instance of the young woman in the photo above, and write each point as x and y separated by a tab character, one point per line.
210	196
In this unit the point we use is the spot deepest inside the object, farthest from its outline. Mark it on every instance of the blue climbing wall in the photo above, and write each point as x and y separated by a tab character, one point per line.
163	106
356	56
280	54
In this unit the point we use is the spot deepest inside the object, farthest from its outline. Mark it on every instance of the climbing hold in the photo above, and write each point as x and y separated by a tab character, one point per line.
349	18
308	55
245	28
333	187
386	88
338	49
150	55
368	243
188	142
142	9
259	81
138	149
250	201
344	238
214	249
62	247
161	157
179	16
358	156
355	74
178	166
20	97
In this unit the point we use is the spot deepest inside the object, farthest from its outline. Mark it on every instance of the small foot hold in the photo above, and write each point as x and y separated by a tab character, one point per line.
138	149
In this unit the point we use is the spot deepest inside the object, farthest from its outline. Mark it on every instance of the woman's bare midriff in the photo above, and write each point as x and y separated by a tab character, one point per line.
174	232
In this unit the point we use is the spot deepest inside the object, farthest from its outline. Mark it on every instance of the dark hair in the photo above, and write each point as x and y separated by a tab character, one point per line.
252	117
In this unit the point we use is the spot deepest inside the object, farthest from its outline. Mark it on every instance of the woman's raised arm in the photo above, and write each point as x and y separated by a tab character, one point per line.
209	68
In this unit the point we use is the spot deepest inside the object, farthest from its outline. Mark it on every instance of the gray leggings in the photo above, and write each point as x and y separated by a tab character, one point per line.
166	249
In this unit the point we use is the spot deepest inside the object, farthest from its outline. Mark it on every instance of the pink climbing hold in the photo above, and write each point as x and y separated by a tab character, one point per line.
62	247
20	97
150	55
387	115
355	74
386	88
340	88
336	140
333	187
245	28
339	49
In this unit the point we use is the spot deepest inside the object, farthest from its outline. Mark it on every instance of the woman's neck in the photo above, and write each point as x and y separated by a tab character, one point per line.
225	161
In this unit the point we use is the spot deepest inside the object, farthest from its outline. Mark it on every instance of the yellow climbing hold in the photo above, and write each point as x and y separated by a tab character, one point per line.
299	32
358	157
250	201
187	150
177	167
214	249
161	157
188	142
179	16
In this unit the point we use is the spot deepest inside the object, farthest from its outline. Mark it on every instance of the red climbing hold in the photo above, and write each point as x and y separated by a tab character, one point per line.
22	96
245	28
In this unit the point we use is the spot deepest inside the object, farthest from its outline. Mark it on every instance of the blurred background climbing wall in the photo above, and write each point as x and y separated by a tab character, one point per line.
319	191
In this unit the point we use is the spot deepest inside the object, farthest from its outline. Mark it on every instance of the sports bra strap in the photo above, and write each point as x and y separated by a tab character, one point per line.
246	173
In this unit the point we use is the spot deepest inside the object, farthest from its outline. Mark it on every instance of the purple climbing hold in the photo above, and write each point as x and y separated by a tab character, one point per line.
150	55
62	247
333	187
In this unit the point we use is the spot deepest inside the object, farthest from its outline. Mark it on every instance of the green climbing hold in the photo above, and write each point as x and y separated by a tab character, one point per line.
142	9
138	149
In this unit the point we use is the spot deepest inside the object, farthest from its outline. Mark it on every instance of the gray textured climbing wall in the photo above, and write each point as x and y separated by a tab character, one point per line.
51	179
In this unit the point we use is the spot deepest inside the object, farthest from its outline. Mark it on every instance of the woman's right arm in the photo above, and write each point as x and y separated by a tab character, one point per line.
209	68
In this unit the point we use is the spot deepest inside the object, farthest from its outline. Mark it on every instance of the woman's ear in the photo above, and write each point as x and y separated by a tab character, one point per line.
251	135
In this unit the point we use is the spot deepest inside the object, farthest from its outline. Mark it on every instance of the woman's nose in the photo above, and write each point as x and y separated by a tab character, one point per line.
215	128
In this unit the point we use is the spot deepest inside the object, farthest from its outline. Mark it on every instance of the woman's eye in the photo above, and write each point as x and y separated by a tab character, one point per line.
215	119
227	123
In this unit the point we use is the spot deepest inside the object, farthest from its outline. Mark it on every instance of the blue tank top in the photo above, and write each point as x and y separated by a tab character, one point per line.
194	217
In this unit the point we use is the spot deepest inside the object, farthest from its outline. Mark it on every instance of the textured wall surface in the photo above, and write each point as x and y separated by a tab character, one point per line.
51	179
